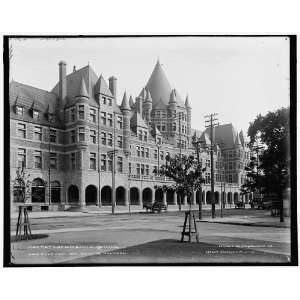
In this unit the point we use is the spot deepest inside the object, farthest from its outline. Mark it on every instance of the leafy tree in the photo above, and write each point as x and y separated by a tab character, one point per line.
268	170
186	172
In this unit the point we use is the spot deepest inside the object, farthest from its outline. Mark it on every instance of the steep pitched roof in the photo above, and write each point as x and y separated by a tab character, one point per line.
205	138
225	135
242	139
160	87
155	131
187	102
101	87
131	103
137	121
237	140
125	103
160	105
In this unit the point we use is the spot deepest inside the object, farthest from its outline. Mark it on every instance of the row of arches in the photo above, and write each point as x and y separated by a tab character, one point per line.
137	197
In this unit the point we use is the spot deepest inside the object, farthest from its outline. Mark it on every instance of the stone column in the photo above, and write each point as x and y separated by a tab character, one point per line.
153	197
126	196
184	200
81	196
164	198
140	198
204	197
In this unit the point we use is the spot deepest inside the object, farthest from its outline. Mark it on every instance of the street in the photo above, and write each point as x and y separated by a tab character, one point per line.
151	238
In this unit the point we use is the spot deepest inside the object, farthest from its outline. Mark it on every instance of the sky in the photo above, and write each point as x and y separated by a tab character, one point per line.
236	77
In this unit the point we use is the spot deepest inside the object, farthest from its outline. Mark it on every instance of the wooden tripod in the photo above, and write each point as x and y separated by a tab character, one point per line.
189	227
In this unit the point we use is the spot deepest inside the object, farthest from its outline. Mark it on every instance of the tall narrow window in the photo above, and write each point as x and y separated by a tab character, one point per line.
103	118
38	133
53	160
104	100
109	101
155	154
52	136
129	168
145	136
73	114
103	138
21	130
142	151
109	120
93	161
138	169
120	122
81	112
140	135
93	115
147	170
109	139
73	136
81	134
120	164
21	158
38	159
138	151
73	161
119	142
103	162
142	169
93	136
147	152
109	163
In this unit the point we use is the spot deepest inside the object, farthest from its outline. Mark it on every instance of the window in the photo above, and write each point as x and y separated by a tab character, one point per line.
109	120
36	114
119	122
174	127
21	158
140	135
109	163
72	114
161	155
21	130
138	151
20	110
158	127
81	112
154	169
103	118
109	139
207	163
93	136
147	169
138	169
104	100
155	154
119	141
230	178
163	127
158	114
103	162
52	136
53	160
103	138
81	134
73	136
109	101
129	168
207	178
147	152
167	154
145	136
73	161
38	159
93	115
142	151
120	164
163	114
230	165
93	161
142	169
159	141
38	133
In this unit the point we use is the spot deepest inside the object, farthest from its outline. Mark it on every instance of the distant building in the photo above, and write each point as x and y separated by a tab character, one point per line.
63	139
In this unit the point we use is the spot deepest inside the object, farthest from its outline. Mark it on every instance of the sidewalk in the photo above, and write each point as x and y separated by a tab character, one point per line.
263	221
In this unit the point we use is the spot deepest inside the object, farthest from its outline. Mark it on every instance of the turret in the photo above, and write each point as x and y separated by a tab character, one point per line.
189	115
147	107
125	108
139	105
237	141
82	94
131	103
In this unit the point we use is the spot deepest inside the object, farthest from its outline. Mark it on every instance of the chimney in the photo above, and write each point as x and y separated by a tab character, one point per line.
113	85
62	91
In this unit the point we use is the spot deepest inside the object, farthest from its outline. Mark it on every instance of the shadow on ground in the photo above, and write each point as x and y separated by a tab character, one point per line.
14	239
173	251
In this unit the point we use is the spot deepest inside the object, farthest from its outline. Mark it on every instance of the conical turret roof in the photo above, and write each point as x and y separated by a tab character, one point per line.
172	97
131	103
101	87
237	141
125	103
204	138
187	102
242	139
143	94
82	90
148	97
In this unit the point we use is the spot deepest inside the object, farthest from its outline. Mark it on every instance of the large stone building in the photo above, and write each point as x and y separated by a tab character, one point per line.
66	140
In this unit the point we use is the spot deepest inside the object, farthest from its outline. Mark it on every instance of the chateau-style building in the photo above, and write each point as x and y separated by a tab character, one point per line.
66	140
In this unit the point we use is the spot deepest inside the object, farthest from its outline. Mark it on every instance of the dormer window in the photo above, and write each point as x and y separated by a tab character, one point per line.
158	141
109	101
35	114
73	115
20	110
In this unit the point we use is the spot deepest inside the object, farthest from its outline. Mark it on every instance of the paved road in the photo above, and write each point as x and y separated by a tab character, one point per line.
86	239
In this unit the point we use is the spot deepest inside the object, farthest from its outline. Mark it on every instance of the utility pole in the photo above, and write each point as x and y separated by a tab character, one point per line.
180	157
210	122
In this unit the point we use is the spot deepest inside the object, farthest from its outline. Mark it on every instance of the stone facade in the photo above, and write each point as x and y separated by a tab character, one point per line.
70	139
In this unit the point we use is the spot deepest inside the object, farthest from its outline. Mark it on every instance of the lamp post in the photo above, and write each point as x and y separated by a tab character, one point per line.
127	154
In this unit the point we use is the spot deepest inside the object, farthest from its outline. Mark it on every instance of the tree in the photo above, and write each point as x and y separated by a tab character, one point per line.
186	172
21	185
268	170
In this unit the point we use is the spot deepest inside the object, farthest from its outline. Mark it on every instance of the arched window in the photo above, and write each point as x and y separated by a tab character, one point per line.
38	190
19	191
55	192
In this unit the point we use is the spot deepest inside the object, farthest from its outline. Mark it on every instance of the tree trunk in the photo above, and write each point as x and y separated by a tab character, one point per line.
280	194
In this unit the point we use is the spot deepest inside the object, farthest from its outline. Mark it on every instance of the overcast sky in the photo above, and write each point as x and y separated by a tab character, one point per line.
236	77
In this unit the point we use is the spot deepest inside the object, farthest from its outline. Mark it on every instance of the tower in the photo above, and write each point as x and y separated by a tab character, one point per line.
147	107
189	117
125	108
